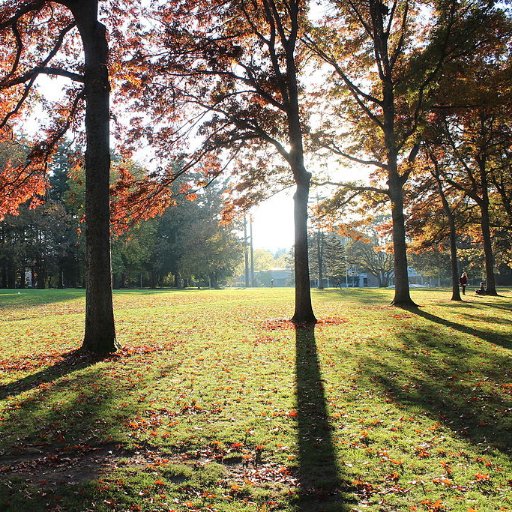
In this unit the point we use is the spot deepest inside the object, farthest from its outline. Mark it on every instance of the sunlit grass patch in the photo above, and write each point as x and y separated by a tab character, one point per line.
216	402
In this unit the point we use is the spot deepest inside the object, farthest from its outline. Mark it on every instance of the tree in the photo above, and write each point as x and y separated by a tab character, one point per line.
44	240
426	215
387	63
327	257
49	23
475	133
373	258
189	241
236	66
131	254
210	248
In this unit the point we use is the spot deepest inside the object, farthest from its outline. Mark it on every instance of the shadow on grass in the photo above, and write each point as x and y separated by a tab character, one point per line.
60	439
71	362
356	294
488	336
29	297
461	386
319	474
476	304
496	306
496	320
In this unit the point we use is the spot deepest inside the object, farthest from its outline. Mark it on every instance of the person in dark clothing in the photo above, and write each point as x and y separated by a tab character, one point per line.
463	281
482	290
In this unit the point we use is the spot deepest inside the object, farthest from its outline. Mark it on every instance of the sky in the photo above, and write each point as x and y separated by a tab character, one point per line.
272	227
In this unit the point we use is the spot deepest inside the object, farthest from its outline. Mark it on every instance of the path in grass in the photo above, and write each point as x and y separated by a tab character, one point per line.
217	403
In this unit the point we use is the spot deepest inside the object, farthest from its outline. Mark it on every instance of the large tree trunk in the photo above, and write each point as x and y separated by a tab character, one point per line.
485	226
395	188
303	307
488	253
402	293
99	317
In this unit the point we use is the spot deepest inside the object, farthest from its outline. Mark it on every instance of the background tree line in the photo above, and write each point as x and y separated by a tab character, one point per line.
417	92
188	245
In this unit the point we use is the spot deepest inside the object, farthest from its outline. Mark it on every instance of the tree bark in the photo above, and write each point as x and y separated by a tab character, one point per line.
402	293
303	307
99	316
488	252
453	238
454	260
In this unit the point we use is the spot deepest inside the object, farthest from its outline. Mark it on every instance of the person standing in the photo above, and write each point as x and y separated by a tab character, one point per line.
463	281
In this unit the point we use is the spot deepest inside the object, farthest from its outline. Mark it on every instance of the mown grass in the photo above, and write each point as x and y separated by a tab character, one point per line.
217	403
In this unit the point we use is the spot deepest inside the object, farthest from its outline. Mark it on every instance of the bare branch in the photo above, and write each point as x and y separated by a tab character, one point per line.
33	73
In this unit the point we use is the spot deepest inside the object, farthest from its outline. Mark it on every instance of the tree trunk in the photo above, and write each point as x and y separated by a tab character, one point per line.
485	225
454	260
488	253
320	260
99	316
453	237
402	294
395	187
303	307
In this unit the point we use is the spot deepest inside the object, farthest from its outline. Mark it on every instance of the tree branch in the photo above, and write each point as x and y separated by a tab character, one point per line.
33	73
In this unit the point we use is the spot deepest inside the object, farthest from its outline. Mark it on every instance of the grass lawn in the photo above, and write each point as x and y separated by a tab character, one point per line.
216	403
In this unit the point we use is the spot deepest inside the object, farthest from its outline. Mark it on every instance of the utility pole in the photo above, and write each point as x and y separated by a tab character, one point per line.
252	251
320	255
246	254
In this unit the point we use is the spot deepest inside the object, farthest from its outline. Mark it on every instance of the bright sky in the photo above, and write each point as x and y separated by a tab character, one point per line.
272	226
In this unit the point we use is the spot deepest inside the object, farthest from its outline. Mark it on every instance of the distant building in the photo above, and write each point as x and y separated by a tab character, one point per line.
277	277
281	277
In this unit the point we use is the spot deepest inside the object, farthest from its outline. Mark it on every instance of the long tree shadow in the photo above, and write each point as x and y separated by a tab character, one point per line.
487	336
58	440
70	362
480	302
22	298
452	382
322	488
28	297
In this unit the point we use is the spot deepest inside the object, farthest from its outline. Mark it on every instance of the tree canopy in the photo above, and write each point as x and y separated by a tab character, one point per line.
260	93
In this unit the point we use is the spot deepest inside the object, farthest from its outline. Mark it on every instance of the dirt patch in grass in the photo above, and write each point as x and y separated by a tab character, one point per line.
48	466
280	324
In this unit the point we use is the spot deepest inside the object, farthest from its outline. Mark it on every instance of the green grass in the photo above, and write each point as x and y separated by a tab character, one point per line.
217	404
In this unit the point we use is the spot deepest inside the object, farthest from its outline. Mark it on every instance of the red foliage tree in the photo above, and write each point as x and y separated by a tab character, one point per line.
226	76
64	38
